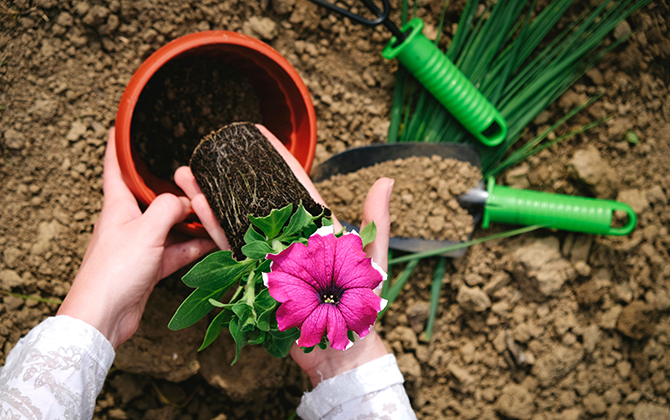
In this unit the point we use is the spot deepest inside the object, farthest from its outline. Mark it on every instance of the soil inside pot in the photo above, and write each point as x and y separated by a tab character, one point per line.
185	100
423	203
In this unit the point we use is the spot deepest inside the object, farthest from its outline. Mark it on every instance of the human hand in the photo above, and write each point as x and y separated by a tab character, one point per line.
319	364
129	253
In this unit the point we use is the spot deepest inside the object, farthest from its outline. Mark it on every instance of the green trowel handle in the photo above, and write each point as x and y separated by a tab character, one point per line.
557	211
449	86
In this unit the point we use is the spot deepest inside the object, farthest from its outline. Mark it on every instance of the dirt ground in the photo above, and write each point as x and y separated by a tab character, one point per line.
549	325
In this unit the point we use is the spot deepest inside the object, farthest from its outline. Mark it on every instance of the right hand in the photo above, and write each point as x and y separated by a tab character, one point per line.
319	364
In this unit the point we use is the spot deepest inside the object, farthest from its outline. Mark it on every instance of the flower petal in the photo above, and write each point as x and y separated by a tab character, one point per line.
314	327
359	307
294	312
352	266
337	329
299	261
284	286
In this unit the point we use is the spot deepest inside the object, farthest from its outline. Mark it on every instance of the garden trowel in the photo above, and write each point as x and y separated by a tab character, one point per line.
488	202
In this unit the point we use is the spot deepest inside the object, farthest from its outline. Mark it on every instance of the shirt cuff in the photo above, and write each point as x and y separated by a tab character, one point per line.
65	329
370	377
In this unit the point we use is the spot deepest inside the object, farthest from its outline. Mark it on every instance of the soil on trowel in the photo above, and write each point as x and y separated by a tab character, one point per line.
424	201
185	100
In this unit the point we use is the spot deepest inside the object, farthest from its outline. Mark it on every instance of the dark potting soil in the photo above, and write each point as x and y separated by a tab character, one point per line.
241	173
185	100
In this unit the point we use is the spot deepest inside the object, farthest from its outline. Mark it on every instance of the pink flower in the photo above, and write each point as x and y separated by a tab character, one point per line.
326	286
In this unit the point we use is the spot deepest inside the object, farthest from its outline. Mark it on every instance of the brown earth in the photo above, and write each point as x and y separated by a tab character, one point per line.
549	325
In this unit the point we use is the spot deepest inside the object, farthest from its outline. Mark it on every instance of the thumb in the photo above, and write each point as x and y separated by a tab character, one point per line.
376	208
162	214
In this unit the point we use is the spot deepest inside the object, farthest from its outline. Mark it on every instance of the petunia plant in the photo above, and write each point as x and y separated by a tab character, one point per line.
299	282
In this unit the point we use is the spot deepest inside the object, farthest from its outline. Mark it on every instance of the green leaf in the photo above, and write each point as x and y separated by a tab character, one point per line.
308	350
300	219
326	222
217	271
215	327
257	250
216	303
194	308
256	337
368	233
253	235
245	315
239	336
279	343
264	306
271	224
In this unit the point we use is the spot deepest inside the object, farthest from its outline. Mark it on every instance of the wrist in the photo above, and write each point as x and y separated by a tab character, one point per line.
97	313
339	361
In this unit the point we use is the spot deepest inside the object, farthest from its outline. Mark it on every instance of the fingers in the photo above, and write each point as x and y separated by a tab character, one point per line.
376	207
186	181
181	254
113	186
293	163
162	214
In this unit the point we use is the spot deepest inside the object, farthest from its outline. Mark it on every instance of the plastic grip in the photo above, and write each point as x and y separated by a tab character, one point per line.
446	82
556	211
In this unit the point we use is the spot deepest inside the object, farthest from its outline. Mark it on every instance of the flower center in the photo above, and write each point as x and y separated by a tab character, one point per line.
332	294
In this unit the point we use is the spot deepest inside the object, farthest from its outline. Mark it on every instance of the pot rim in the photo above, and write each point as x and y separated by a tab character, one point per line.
157	60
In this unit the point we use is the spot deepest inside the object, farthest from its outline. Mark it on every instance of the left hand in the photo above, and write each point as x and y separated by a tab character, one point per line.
129	253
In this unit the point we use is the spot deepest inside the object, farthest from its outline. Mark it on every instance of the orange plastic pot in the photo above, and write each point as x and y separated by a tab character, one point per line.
285	103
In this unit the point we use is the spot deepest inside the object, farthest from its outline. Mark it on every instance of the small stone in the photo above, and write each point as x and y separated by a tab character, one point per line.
463	377
473	279
406	336
283	6
624	367
596	76
65	19
655	195
648	411
571	414
590	337
608	319
594	404
344	194
539	265
515	402
557	363
96	16
497	282
264	28
582	268
417	315
634	198
10	255
636	320
77	129
518	177
9	279
473	299
622	30
589	167
468	352
14	139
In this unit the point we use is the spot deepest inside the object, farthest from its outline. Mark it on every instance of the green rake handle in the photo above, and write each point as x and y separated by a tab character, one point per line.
556	211
449	86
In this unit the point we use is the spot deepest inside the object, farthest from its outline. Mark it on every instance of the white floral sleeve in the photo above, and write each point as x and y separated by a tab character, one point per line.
55	372
371	391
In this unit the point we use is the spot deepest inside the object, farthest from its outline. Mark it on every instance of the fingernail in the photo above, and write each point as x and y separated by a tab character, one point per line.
390	190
